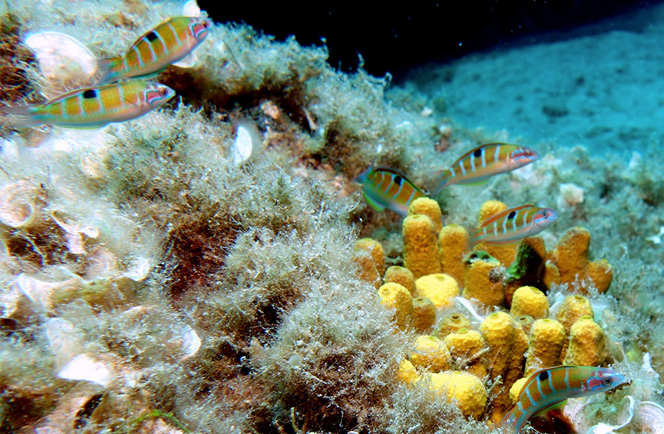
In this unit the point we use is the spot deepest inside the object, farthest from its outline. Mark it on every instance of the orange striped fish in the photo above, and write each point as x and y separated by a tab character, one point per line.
388	188
479	164
549	387
167	43
93	107
514	224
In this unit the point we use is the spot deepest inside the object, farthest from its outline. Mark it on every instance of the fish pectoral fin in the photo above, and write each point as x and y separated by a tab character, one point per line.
375	205
187	61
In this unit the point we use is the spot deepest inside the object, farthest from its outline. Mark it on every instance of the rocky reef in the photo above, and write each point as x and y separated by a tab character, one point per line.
212	267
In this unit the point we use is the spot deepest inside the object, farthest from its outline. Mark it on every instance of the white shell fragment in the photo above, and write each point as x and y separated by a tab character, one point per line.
243	145
63	60
646	417
190	340
64	341
19	204
191	9
83	368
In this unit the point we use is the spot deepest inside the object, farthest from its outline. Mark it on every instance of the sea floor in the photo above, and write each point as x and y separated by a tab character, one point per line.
602	90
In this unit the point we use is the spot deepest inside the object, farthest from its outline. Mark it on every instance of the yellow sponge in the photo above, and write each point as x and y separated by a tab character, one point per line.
465	349
407	372
454	243
464	389
424	314
430	353
483	279
528	300
572	309
401	275
420	244
451	324
547	338
586	343
429	208
439	288
393	295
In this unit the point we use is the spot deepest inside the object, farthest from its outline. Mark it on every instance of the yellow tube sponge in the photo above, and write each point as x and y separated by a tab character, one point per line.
483	279
528	300
525	322
571	258
407	372
466	351
586	343
439	288
451	324
601	273
515	390
367	270
547	338
429	208
498	332
489	209
454	243
551	275
420	246
430	353
424	314
572	309
393	295
514	372
401	275
462	388
375	249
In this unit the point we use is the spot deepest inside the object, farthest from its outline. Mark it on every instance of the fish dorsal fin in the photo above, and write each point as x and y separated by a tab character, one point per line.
501	214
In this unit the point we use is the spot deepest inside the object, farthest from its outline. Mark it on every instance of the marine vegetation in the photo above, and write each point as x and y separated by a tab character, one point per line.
212	267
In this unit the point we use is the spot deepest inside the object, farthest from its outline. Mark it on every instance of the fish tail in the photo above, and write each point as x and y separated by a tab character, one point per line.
443	178
107	70
19	116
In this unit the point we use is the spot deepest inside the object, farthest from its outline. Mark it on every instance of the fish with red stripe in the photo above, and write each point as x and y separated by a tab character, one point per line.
387	188
514	224
162	46
93	107
479	164
550	387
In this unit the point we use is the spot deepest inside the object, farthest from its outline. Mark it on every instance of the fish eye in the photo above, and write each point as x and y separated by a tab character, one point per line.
607	381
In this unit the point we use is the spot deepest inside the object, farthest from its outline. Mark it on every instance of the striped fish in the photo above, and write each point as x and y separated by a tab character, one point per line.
479	164
388	188
514	224
162	46
549	387
93	107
